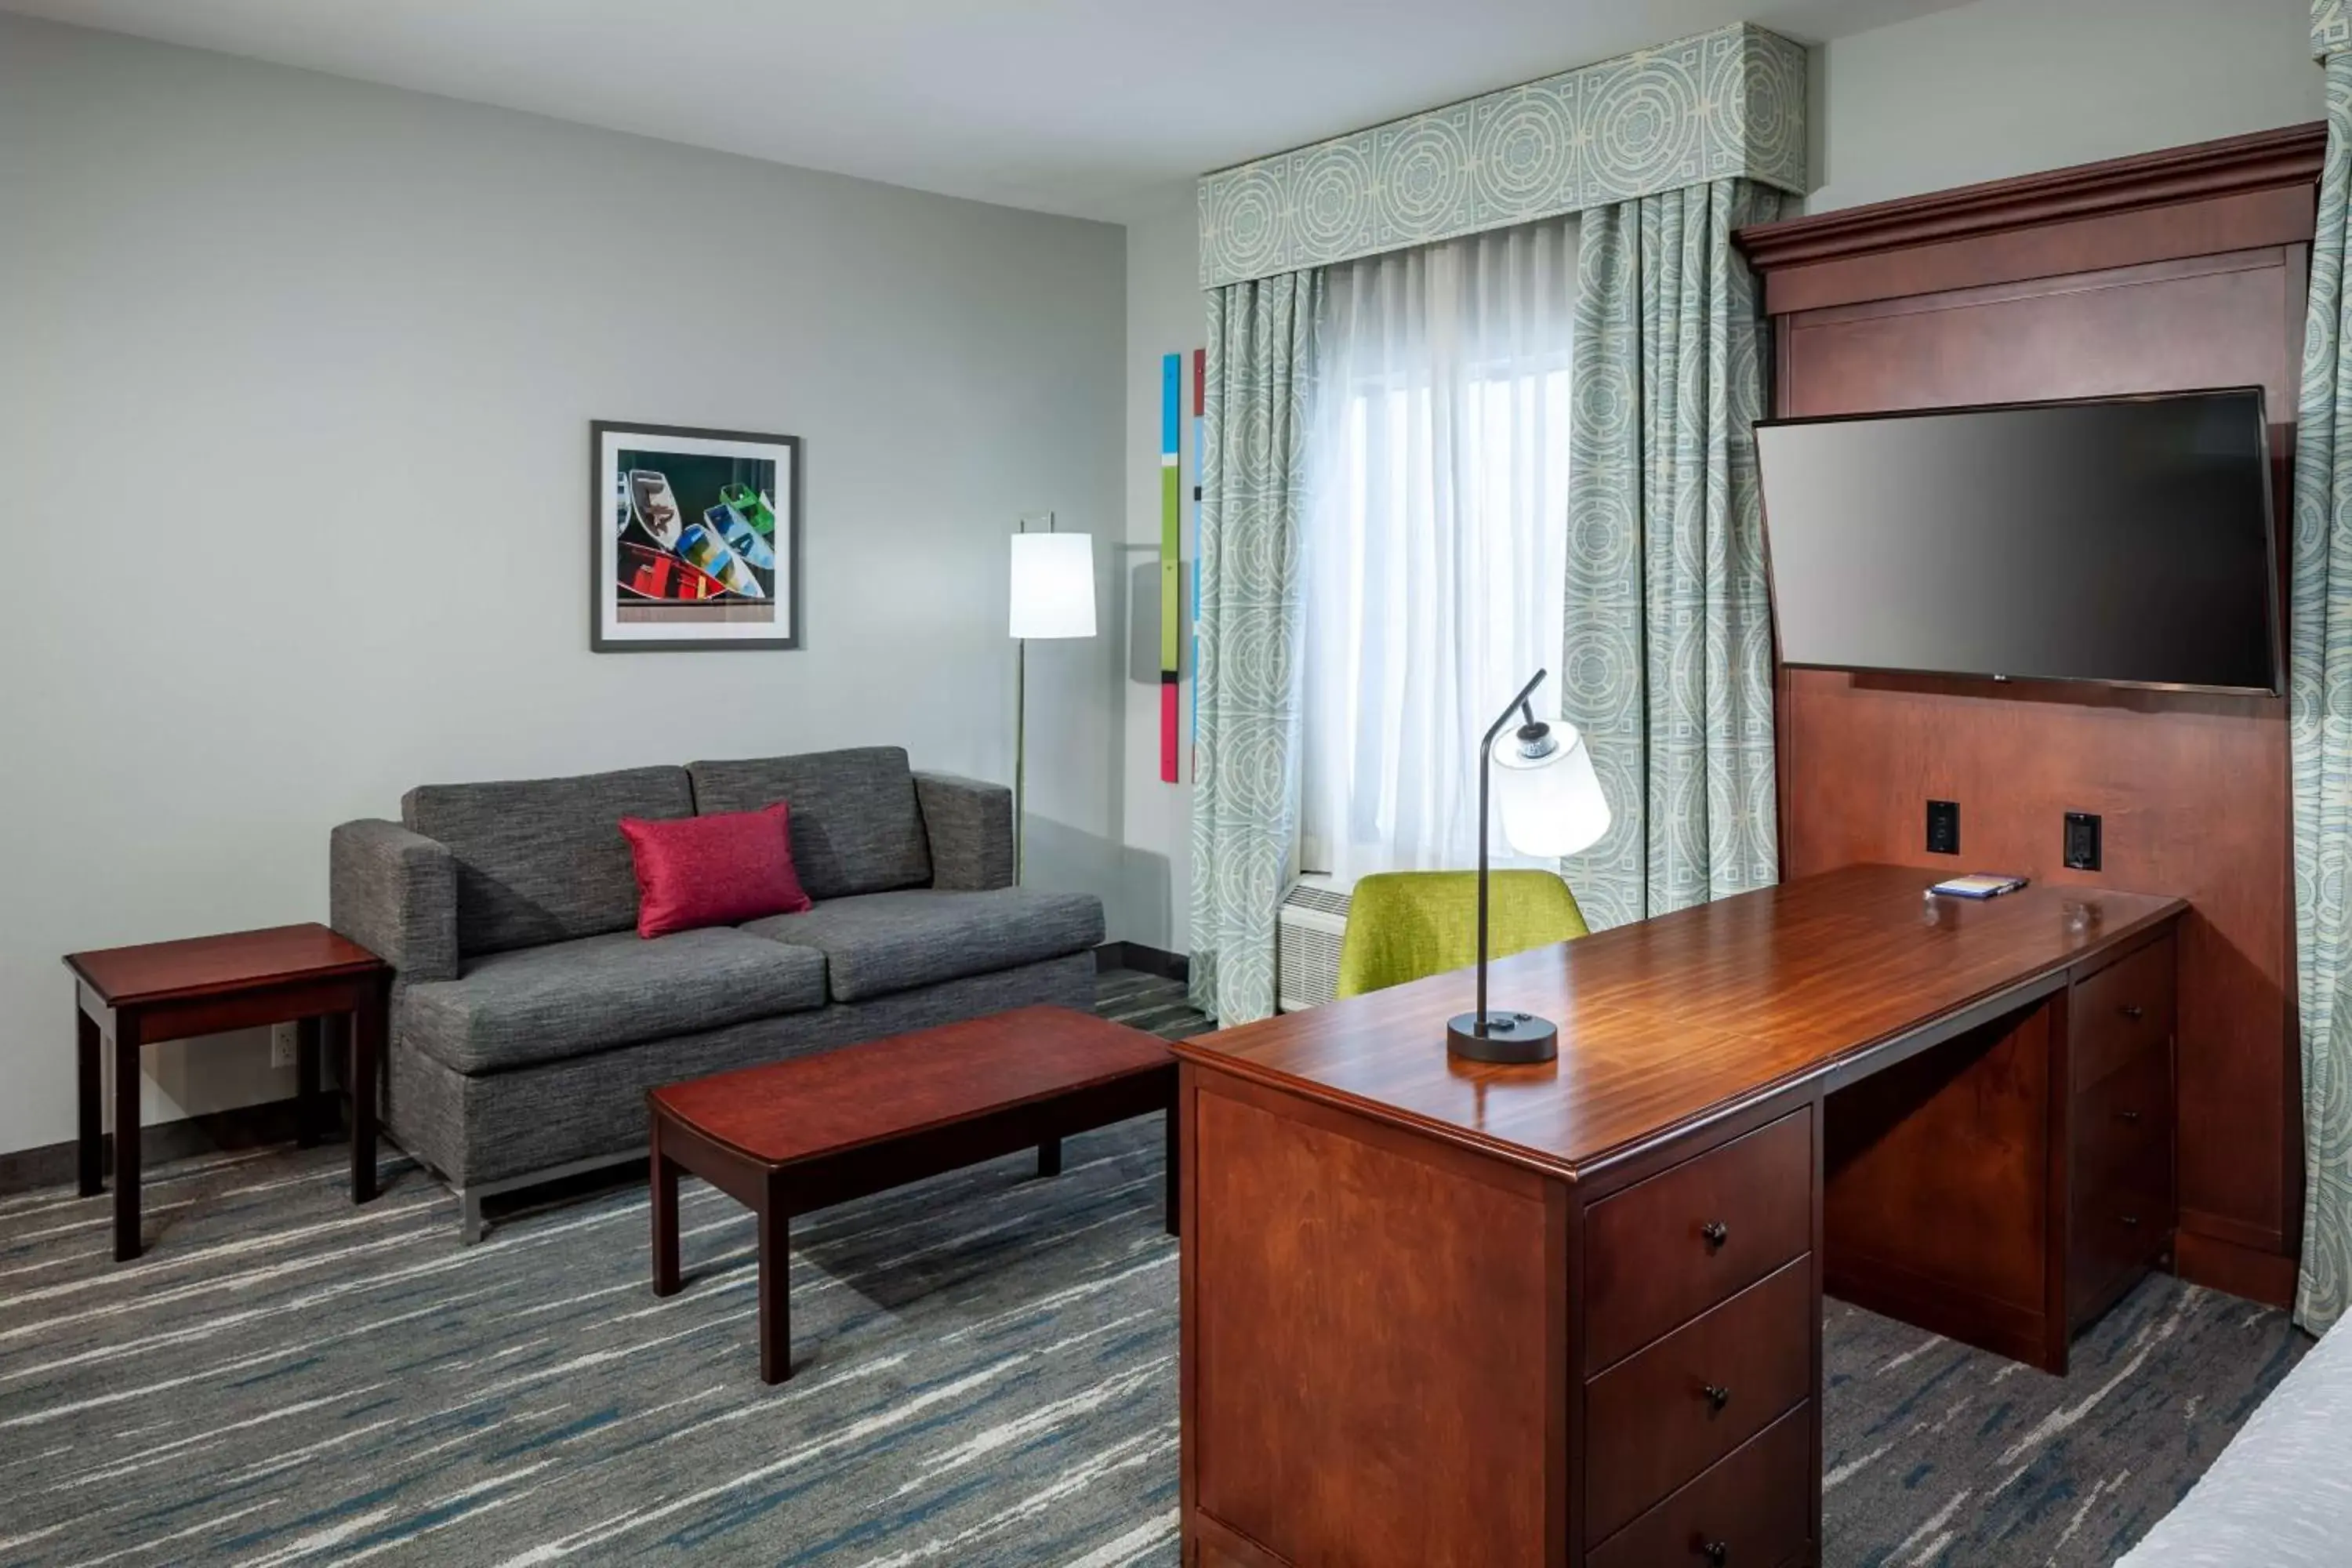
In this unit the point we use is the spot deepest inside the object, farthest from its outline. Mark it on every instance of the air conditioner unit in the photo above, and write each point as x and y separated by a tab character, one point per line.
1307	931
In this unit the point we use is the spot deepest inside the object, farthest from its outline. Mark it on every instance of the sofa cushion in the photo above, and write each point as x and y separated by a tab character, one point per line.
492	1127
543	860
570	998
879	944
855	826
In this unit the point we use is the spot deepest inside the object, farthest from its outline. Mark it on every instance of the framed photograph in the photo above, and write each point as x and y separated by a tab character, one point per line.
694	538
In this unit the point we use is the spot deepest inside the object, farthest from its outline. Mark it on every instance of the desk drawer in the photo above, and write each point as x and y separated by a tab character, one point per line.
1756	1509
1663	1414
2123	1010
1664	1250
2118	1232
2123	1124
2123	1216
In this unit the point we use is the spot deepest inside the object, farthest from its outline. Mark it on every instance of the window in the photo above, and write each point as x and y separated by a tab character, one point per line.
1435	547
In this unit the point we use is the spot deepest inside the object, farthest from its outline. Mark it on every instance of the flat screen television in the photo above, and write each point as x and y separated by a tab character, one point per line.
2126	540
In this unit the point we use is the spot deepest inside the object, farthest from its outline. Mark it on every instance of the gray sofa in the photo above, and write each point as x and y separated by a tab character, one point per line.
528	1017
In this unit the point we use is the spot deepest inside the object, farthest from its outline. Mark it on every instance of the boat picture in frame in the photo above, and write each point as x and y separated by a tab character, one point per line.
695	539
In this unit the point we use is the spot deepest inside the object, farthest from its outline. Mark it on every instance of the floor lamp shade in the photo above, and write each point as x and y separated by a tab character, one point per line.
1053	585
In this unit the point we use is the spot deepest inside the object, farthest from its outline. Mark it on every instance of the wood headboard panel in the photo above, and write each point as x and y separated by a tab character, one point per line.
2180	269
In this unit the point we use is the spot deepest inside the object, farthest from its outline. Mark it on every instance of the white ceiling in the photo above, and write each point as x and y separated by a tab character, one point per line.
1067	106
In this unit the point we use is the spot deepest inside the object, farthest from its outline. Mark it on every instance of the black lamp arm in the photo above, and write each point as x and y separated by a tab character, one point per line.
1485	761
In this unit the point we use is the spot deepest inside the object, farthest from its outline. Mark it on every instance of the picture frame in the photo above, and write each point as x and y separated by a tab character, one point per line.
694	538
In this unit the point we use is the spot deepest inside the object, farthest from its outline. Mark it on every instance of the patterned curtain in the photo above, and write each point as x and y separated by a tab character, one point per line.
1246	795
2319	618
1667	660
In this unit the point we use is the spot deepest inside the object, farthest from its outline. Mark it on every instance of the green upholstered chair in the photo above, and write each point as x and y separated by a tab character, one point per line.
1403	925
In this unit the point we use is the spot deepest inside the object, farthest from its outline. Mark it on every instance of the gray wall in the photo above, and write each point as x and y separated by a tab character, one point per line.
2012	87
1164	315
293	434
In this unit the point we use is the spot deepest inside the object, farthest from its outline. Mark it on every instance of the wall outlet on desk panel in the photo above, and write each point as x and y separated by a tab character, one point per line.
282	1042
2082	841
1943	828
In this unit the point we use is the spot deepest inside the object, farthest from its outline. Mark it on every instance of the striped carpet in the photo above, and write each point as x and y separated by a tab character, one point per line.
985	1373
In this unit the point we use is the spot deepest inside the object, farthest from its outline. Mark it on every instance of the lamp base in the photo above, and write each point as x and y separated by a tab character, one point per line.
1510	1037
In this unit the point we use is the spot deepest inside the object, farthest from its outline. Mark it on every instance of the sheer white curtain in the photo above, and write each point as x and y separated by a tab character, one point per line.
1436	544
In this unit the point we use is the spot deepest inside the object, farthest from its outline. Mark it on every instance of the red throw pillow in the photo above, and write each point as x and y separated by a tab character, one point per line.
713	870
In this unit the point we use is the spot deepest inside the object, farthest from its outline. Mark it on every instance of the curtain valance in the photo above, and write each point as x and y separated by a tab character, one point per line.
1729	104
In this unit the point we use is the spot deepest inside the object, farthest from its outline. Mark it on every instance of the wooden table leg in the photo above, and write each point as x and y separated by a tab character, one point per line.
1049	1157
664	1207
306	1083
126	1135
90	1116
775	1295
367	1052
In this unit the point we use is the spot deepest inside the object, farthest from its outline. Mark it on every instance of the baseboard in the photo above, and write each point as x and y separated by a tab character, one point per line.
217	1132
1144	960
2236	1231
2224	1265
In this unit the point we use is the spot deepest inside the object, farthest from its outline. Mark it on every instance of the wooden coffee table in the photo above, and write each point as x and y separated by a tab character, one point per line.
207	986
799	1135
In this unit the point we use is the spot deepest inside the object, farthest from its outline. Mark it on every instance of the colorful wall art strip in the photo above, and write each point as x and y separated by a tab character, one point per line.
1172	559
1193	609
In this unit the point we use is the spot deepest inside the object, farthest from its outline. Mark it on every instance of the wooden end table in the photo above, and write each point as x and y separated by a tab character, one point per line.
799	1135
172	990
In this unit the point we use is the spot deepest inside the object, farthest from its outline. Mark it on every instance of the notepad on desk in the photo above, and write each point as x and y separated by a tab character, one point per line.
1978	885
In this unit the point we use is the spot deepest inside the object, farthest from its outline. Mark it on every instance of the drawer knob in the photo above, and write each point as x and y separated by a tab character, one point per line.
1715	1233
1716	1553
1718	1396
2134	1011
2127	1116
2131	1220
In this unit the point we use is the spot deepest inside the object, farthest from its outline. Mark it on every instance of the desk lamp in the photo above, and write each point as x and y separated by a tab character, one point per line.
1553	807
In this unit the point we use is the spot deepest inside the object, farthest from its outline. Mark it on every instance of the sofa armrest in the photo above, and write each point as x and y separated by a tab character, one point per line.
395	892
970	825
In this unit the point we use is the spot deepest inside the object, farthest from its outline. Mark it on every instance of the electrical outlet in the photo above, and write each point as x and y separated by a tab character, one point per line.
1943	828
2082	849
283	1042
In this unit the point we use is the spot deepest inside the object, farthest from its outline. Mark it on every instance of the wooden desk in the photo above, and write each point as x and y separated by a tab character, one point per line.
1436	1312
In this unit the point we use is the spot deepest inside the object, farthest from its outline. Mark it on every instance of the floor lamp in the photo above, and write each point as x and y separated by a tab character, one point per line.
1052	596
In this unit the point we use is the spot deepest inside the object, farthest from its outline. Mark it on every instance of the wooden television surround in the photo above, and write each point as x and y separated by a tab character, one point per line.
2179	269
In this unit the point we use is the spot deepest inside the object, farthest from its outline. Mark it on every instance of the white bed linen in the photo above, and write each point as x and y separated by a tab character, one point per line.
2279	1496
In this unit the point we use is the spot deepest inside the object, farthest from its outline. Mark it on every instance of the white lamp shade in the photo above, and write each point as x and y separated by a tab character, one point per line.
1053	585
1552	804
